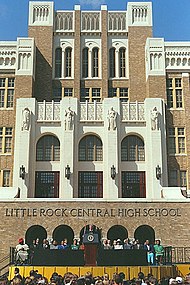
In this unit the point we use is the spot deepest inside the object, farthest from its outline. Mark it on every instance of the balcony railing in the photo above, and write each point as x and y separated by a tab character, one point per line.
132	112
48	111
91	112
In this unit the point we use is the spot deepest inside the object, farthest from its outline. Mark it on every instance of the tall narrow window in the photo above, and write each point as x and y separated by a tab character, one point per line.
174	93
58	62
112	62
177	178
68	55
5	140
176	140
95	62
122	63
85	63
6	92
57	94
6	178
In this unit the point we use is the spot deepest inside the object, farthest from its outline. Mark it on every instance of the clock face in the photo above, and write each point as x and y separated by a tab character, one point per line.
90	237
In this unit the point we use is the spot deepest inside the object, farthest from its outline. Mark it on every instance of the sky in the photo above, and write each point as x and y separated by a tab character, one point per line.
171	18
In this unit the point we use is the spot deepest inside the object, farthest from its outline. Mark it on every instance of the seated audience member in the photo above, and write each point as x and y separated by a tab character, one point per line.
106	244
38	245
106	280
159	252
150	252
21	252
45	244
63	244
137	245
74	245
114	243
54	245
179	280
109	246
127	244
118	244
16	281
81	246
17	273
117	279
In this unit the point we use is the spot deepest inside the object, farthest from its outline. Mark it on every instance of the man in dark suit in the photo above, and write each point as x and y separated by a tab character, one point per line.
150	252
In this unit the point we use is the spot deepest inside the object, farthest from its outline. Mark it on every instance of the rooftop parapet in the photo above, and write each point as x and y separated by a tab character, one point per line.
41	13
8	54
177	55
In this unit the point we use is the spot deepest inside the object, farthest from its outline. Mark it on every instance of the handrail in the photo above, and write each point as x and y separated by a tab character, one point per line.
5	262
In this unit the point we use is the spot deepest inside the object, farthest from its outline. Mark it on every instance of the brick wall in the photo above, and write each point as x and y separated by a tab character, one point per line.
44	42
137	78
164	218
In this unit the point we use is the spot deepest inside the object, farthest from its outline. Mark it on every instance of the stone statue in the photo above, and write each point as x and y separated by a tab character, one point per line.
112	114
69	118
154	119
26	119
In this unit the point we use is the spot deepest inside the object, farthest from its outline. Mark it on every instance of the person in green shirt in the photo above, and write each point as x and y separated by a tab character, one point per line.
159	252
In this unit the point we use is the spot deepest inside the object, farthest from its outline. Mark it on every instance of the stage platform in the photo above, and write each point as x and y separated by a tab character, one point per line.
130	271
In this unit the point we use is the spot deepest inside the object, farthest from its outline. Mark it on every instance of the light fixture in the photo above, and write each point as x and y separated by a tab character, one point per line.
67	171
113	172
22	172
158	172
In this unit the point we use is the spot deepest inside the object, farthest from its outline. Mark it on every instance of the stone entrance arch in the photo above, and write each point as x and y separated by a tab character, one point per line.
34	232
143	233
63	231
117	232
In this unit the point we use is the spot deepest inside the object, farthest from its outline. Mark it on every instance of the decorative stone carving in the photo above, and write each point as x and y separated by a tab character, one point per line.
112	115
117	21
90	21
69	119
26	119
154	119
64	21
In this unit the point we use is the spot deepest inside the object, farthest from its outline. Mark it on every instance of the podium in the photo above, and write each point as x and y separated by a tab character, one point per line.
90	241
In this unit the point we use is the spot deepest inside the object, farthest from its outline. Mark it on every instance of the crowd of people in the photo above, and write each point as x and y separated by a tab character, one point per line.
24	253
69	278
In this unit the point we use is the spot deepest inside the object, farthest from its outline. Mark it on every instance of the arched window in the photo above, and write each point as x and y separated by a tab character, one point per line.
35	232
112	62
90	149
62	232
48	149
58	62
122	64
95	62
85	63
68	54
132	149
144	232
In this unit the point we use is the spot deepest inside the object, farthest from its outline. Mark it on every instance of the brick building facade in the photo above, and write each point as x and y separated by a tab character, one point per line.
94	115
